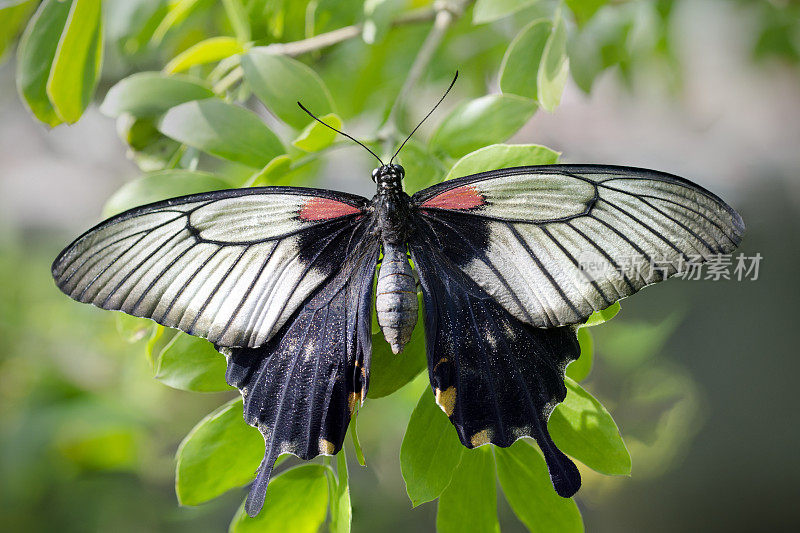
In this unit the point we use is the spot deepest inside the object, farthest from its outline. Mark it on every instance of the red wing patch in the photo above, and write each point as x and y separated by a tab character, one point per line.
324	208
464	197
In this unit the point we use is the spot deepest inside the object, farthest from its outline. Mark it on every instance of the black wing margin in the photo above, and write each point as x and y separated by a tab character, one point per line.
301	388
497	378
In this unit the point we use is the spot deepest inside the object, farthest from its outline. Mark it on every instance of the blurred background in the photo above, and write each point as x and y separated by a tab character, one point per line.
700	376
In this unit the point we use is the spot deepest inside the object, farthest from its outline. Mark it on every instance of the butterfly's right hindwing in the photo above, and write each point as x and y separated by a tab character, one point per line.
496	377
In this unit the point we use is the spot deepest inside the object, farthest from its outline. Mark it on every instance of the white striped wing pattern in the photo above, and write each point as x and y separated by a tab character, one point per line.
230	266
553	244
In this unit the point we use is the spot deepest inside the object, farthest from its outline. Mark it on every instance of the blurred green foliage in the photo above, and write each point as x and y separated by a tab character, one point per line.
204	94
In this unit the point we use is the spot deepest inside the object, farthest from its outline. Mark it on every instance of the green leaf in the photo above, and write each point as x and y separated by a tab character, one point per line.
339	486
178	12
378	17
12	20
132	328
154	343
206	51
526	485
150	150
149	94
520	67
316	136
271	173
237	15
554	68
390	372
603	42
224	130
535	64
35	55
191	363
430	451
582	428
470	501
502	156
220	453
356	443
627	345
161	185
422	168
76	66
602	316
476	123
580	368
584	9
491	10
297	501
139	133
280	82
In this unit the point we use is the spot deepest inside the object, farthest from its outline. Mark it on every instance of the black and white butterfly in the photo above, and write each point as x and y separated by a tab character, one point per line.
280	279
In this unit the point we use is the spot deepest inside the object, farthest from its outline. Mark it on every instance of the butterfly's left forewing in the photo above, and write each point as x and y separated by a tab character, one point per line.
230	266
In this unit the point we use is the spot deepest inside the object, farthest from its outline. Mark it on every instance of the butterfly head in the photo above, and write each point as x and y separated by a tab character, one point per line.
389	177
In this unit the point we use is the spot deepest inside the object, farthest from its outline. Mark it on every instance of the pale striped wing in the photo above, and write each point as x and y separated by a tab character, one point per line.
552	244
230	266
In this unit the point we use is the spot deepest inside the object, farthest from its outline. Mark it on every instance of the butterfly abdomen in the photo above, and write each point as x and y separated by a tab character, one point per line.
396	300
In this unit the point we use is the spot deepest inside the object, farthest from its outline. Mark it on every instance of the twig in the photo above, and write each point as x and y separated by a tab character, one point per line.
445	15
228	81
323	40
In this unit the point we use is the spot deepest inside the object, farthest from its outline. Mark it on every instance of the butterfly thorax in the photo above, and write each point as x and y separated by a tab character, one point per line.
391	204
396	301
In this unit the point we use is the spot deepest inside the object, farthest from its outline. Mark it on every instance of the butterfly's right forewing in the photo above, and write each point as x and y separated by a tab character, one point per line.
555	243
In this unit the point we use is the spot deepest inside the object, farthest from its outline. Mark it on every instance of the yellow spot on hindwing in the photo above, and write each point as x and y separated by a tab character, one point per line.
326	447
441	361
353	399
480	438
446	399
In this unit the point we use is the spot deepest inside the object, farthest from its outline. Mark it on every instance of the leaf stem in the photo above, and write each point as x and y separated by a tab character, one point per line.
356	444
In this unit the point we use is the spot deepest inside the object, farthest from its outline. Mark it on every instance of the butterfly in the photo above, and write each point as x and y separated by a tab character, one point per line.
281	280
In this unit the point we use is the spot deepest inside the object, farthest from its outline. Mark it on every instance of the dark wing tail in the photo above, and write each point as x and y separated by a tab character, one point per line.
497	378
301	388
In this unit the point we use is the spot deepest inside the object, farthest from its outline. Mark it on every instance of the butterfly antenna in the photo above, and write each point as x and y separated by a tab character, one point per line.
340	132
426	117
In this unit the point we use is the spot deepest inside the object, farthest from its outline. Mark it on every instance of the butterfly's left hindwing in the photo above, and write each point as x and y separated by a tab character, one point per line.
301	388
496	378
